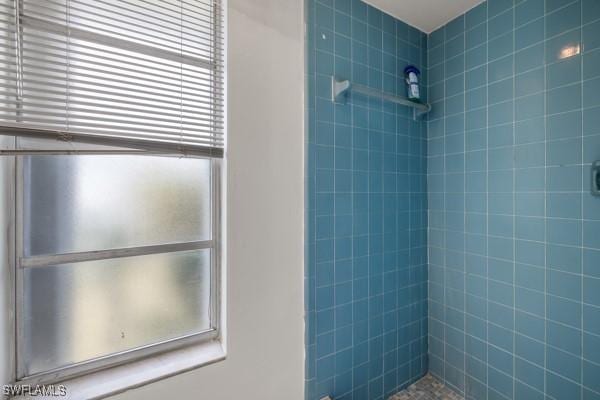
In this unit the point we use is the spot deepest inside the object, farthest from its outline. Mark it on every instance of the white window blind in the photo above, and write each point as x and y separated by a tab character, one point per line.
143	74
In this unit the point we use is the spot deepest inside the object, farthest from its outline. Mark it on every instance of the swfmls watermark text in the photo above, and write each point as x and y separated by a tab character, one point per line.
34	390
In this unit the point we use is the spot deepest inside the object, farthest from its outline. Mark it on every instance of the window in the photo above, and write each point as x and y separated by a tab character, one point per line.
115	253
116	107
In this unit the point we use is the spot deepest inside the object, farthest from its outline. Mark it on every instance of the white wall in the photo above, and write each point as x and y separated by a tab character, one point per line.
265	208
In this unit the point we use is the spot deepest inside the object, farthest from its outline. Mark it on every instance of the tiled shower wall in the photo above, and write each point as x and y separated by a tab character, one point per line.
514	233
366	275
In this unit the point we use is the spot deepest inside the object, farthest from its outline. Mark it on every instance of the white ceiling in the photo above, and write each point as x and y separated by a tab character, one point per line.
427	15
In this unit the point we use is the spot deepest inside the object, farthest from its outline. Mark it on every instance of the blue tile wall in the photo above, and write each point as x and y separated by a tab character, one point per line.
514	233
366	274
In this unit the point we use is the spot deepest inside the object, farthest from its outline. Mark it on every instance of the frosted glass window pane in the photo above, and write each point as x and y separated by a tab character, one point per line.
98	202
81	311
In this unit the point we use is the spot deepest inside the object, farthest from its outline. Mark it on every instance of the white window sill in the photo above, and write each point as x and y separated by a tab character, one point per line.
117	379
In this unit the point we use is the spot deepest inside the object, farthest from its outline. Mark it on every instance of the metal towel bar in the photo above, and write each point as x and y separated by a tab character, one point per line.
341	88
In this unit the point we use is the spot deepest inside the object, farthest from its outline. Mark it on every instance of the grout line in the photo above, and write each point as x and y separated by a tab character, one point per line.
444	377
545	381
464	266
581	383
514	207
487	205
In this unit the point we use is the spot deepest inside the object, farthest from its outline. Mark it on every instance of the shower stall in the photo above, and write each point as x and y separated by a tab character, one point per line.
456	238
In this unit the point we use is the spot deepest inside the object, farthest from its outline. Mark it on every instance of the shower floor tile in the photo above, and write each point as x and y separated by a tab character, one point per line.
427	388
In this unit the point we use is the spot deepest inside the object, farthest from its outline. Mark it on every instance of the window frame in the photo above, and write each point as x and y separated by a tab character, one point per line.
132	368
136	354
